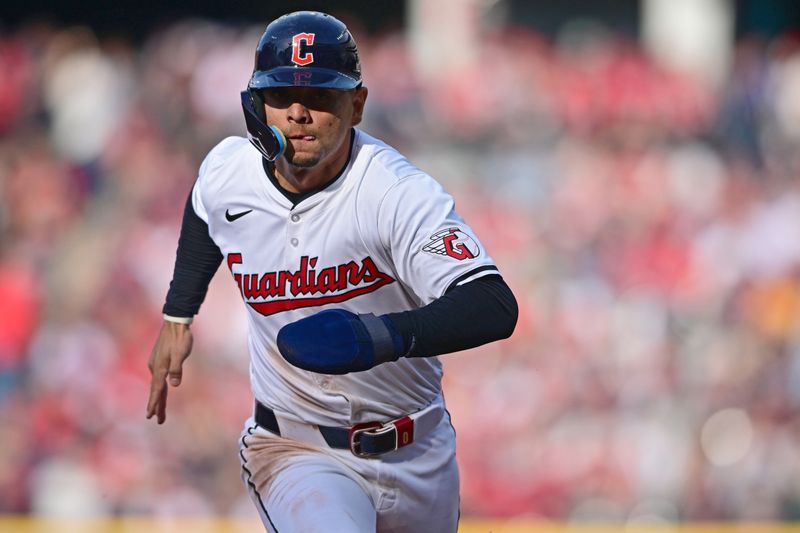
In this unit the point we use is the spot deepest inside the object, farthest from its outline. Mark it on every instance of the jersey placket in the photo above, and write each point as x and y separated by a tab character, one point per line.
294	250
294	245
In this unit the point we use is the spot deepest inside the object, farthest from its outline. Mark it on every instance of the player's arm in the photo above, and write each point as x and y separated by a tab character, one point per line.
338	341
196	261
476	313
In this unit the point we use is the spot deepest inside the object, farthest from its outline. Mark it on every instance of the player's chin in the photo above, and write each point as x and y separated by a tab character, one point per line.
303	159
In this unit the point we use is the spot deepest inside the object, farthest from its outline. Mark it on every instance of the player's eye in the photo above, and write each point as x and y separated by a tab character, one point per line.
323	97
278	97
319	99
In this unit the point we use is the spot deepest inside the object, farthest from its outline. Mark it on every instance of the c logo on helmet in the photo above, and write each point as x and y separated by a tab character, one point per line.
297	57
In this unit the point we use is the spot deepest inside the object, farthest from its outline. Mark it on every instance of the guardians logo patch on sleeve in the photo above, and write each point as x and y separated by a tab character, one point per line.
453	242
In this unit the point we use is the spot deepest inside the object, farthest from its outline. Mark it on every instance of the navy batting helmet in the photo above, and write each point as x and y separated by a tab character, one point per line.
302	49
306	49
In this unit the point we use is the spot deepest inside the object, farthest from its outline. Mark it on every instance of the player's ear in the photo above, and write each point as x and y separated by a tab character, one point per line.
359	99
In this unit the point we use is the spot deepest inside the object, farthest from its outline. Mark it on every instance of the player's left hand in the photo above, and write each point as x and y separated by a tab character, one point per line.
337	342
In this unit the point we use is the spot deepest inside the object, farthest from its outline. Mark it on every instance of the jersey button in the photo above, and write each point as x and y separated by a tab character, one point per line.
294	242
295	218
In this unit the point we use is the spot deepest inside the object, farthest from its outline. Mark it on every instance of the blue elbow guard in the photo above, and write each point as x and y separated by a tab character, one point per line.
338	342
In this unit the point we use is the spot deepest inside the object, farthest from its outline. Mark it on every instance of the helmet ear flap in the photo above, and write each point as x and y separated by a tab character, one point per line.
268	140
257	96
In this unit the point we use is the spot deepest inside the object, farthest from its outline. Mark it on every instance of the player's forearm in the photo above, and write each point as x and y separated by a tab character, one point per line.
470	315
336	341
196	261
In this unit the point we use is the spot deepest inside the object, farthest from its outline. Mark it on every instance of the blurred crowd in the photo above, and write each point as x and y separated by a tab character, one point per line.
647	220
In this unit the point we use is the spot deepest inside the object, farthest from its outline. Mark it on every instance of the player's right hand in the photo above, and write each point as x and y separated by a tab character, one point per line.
172	347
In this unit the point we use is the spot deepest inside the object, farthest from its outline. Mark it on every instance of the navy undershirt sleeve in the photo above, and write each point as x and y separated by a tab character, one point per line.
196	261
478	312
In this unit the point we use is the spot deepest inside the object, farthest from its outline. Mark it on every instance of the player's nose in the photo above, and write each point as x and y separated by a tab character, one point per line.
297	112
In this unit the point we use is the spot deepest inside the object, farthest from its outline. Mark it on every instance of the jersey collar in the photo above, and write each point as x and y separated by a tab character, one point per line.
297	197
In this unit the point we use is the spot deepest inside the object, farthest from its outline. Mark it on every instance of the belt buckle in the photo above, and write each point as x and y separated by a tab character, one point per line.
375	428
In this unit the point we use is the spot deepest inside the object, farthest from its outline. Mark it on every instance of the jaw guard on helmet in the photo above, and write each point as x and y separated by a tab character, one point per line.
269	140
302	49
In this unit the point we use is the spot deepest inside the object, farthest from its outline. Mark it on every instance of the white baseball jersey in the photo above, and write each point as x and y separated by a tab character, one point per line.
384	237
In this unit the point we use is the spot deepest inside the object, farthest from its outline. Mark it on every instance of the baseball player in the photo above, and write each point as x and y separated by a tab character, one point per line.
356	272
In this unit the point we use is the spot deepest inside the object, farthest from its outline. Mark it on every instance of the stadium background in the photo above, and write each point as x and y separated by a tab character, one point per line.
633	167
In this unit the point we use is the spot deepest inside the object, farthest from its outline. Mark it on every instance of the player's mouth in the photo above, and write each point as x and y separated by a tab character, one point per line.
302	137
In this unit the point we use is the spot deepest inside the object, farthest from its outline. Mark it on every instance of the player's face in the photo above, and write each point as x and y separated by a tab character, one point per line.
316	121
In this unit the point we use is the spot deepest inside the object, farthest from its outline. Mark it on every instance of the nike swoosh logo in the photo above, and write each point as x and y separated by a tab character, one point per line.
231	218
